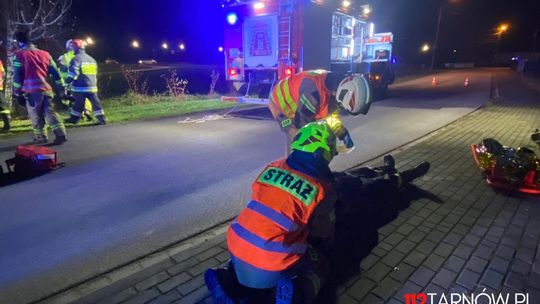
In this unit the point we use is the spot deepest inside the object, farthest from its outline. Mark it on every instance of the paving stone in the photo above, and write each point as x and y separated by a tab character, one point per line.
415	258
173	282
453	239
444	250
483	252
406	228
426	246
444	278
201	267
405	246
144	296
122	296
394	238
194	297
210	252
455	263
525	254
435	236
182	266
515	280
510	241
152	281
521	267
402	272
387	229
422	276
386	288
496	231
369	261
167	298
471	240
499	264
393	258
433	262
534	280
463	251
468	279
191	285
372	299
505	252
407	288
476	264
223	256
346	299
492	279
361	288
378	272
416	236
379	252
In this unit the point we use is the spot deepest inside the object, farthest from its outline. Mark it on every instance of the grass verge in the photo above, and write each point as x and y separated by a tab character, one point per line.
132	107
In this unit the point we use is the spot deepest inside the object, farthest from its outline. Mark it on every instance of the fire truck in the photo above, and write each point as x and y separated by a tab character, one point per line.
268	40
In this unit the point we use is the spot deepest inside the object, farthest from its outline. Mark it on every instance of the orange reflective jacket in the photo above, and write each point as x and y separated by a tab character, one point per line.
2	72
271	232
286	94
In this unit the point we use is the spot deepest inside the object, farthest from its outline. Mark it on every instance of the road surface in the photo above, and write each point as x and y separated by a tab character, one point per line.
128	189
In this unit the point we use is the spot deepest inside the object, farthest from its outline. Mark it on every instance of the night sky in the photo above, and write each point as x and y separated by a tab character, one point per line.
467	26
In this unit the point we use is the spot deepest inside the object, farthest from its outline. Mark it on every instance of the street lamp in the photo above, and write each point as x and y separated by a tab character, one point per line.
220	49
182	46
425	48
503	27
135	44
165	46
89	41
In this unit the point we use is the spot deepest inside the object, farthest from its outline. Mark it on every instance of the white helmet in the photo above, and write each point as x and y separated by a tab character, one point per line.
69	45
354	94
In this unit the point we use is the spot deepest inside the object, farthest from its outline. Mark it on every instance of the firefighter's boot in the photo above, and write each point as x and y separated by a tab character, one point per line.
72	119
40	139
87	115
408	176
7	122
101	120
59	139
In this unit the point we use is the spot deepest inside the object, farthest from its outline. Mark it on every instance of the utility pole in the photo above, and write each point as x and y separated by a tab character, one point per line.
535	39
436	37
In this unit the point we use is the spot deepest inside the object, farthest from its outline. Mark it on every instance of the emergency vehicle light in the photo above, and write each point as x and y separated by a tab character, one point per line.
289	71
232	18
233	72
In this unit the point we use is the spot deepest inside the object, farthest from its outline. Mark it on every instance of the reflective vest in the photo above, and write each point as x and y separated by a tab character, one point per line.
2	75
63	63
83	73
286	94
31	69
271	232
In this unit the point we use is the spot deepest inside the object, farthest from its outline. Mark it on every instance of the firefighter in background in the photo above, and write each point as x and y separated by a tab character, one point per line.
4	109
82	81
63	65
30	87
314	95
292	199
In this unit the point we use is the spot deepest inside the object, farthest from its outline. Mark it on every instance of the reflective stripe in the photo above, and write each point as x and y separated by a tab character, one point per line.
38	131
71	74
99	112
288	96
267	245
89	69
5	112
92	89
273	215
281	101
75	113
17	85
307	103
17	64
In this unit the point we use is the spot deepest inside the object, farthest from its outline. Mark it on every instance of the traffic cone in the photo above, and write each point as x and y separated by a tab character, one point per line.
466	82
434	81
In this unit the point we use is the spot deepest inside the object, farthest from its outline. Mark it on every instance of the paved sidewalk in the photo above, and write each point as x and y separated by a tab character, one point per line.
475	241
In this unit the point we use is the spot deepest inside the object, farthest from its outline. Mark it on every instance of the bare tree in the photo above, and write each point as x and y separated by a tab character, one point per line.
43	19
